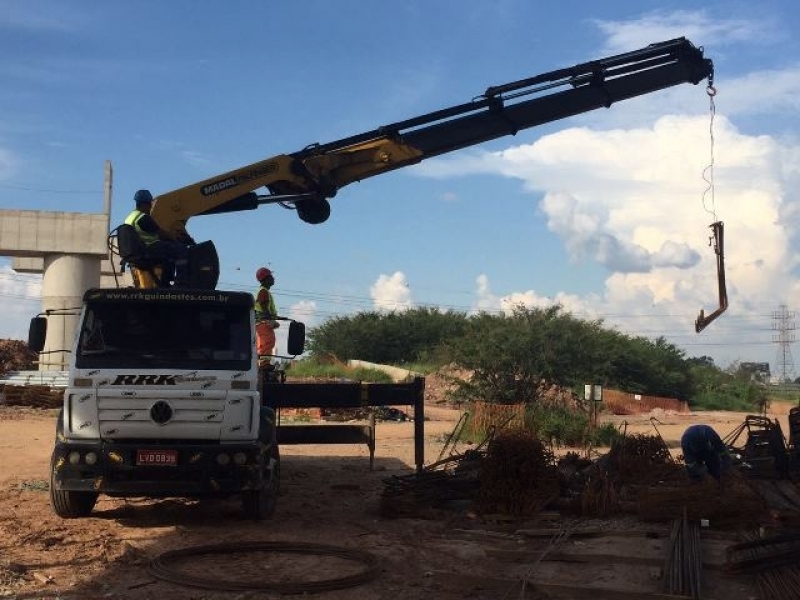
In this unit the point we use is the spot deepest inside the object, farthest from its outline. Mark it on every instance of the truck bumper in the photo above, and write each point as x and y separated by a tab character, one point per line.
197	469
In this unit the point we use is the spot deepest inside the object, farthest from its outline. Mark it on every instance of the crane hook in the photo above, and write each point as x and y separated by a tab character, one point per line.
718	240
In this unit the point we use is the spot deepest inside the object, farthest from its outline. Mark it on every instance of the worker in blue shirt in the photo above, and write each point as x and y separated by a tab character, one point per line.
704	452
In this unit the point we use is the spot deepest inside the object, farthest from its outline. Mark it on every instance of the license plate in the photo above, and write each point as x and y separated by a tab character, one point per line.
158	458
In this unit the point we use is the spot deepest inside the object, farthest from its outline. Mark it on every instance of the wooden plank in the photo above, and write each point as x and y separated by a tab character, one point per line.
656	534
463	582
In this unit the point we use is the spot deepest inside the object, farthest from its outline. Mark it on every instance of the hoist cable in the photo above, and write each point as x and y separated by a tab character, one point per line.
708	172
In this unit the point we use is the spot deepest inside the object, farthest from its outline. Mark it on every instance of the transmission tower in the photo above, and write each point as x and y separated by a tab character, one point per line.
783	325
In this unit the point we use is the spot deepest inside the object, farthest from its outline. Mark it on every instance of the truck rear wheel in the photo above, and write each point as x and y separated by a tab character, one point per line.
260	504
68	504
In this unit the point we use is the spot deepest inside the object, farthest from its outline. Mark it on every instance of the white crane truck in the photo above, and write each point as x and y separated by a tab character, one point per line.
165	397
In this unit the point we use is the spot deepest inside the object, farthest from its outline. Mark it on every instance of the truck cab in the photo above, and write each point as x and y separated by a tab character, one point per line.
163	400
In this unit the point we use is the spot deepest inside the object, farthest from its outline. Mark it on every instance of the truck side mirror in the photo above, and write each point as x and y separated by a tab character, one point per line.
37	332
296	342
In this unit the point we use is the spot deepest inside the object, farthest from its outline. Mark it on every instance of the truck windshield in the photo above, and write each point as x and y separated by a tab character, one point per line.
170	336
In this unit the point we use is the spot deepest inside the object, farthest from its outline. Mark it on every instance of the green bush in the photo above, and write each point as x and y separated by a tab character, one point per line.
367	374
718	400
387	338
559	425
311	368
604	435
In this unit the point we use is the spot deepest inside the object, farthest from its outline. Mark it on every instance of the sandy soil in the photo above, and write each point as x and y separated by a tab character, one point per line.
329	496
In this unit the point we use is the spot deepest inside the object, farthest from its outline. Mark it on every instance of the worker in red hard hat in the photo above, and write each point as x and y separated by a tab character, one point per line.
266	313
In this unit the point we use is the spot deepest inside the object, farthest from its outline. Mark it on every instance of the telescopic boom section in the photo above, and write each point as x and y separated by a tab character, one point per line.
306	179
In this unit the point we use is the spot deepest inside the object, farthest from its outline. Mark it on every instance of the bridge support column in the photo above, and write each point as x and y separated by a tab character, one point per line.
65	279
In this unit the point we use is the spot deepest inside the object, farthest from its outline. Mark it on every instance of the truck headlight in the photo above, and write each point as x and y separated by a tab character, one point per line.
239	458
223	459
90	458
74	458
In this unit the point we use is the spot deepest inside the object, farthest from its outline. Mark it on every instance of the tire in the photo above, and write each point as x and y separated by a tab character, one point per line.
68	504
260	504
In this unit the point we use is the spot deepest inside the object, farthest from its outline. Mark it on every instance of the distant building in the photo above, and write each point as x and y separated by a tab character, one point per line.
759	371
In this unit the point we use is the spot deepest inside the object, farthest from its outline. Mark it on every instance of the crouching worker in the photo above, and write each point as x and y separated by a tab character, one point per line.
704	452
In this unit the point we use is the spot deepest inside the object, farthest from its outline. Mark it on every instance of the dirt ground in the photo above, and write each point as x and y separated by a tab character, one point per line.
328	496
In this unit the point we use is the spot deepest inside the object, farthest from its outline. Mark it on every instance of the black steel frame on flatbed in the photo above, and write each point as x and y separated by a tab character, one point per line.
347	394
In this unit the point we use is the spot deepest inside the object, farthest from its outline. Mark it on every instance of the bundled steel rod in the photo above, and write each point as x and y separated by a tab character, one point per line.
683	569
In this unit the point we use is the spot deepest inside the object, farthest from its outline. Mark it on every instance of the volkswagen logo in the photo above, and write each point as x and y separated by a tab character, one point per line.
161	412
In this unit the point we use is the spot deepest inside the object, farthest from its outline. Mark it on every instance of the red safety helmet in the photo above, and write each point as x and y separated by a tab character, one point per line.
263	273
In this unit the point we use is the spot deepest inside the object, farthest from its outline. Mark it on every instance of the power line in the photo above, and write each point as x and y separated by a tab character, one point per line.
680	337
23	188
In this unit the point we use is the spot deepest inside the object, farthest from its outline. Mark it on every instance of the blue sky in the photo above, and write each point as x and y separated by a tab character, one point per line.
594	212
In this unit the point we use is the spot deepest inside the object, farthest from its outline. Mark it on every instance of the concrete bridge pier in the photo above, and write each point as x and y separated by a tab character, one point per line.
65	278
71	252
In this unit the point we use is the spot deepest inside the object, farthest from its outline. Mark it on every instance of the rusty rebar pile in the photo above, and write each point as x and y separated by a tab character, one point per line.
639	458
682	572
518	475
633	461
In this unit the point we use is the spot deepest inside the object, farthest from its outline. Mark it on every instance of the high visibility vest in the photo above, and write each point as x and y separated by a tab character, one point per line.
268	312
133	219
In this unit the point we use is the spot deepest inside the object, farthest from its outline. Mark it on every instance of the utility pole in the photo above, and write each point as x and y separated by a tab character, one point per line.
783	325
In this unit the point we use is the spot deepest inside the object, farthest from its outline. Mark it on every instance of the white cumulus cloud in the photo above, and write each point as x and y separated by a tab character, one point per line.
21	298
622	36
391	293
635	202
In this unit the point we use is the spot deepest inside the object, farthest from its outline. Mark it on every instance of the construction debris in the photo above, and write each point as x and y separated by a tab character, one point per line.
516	474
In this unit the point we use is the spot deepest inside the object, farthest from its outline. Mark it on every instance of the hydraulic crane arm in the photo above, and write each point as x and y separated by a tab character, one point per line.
308	178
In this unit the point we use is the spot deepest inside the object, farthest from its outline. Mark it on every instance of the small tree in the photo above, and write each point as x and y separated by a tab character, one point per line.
514	357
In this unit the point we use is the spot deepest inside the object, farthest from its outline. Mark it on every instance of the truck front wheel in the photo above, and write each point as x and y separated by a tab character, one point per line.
68	504
260	504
